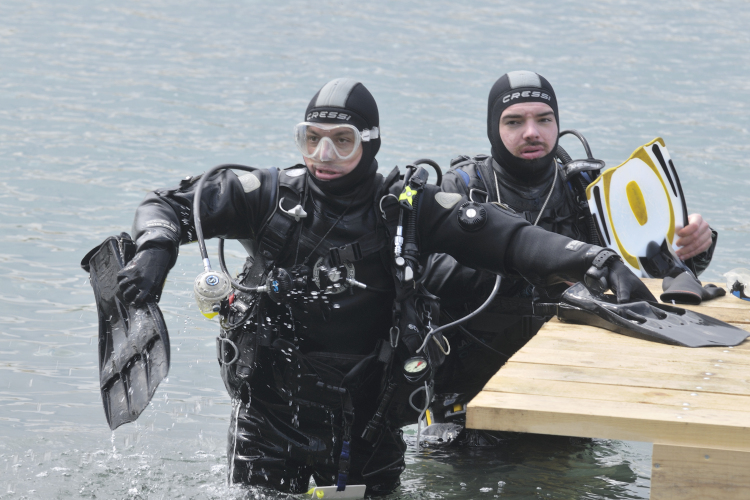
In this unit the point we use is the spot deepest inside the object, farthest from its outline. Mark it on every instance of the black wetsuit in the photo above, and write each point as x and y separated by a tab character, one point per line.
509	323
287	419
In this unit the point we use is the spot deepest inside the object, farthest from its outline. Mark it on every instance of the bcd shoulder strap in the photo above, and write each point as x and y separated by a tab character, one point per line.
290	190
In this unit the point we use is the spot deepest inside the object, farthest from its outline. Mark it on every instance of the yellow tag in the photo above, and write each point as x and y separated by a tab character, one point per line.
407	195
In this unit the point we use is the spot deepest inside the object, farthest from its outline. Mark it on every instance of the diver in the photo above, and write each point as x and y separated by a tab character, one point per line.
328	342
522	174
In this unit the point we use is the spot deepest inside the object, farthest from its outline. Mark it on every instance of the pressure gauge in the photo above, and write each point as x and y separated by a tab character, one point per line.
415	366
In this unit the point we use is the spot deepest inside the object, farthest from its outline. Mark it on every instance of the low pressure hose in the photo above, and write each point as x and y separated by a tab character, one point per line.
593	233
581	138
223	265
495	289
199	227
197	207
434	165
563	155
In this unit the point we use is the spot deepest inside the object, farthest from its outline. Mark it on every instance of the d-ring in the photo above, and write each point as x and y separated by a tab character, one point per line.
297	212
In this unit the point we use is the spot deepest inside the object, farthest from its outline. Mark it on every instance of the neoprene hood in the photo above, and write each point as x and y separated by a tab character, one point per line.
514	88
344	100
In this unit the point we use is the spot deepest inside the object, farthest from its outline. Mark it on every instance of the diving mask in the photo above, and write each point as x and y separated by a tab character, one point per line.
738	283
330	141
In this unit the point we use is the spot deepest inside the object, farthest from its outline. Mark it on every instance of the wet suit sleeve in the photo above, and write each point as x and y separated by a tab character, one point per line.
229	209
445	277
506	244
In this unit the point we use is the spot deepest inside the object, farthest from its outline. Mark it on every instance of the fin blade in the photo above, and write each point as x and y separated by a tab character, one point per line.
134	352
673	325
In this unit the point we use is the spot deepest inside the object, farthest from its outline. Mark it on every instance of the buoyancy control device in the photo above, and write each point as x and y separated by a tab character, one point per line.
410	355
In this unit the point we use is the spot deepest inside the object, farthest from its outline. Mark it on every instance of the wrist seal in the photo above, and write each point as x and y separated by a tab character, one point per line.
595	278
604	257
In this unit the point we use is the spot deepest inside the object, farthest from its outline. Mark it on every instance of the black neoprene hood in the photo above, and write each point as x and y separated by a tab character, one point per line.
344	100
514	88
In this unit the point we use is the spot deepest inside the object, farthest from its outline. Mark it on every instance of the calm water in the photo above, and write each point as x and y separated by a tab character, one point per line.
102	101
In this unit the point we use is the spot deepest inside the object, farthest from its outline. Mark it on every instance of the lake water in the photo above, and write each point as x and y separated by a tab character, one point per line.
101	102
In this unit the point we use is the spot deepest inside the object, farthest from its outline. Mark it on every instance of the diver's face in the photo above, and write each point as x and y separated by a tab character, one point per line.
333	169
528	129
326	165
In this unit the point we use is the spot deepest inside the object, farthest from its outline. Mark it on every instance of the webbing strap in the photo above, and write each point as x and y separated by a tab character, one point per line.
344	458
363	247
277	230
344	462
275	236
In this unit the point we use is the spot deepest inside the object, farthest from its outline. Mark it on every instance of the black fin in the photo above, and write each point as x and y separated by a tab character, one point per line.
669	324
133	340
683	288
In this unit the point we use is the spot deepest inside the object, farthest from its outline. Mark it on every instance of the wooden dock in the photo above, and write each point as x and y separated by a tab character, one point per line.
693	404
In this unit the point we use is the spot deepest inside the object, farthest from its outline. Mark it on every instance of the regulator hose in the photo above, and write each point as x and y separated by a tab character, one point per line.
197	206
199	226
434	165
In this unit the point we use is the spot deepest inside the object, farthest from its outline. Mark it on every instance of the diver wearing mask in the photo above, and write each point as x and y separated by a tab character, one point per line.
329	347
522	174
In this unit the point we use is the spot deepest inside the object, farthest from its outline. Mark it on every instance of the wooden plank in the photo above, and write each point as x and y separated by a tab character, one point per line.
589	333
609	420
705	358
531	354
593	334
688	473
554	339
692	383
647	396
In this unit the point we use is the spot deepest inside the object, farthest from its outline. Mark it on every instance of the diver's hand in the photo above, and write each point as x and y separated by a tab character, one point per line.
626	286
694	238
143	277
607	271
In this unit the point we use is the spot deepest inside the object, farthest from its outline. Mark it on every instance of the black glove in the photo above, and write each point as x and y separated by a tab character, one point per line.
608	271
142	279
627	286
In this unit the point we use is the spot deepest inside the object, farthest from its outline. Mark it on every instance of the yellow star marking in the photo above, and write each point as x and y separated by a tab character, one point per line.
407	195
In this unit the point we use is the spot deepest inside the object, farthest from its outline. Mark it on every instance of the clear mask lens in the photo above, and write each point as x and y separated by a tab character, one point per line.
327	141
738	282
